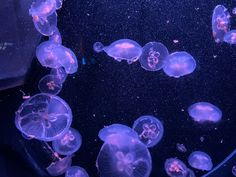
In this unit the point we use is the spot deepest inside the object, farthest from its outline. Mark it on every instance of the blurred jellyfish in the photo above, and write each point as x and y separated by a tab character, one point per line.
179	64
230	37
205	112
60	166
181	147
60	73
200	160
59	4
50	84
153	56
123	49
124	156
190	173
56	36
234	170
234	11
42	8
76	171
69	143
44	117
220	22
175	168
116	129
150	130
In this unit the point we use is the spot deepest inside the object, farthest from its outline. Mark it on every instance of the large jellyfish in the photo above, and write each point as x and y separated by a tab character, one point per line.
124	156
69	143
150	130
116	129
175	168
230	37
200	160
44	117
179	64
220	22
205	112
123	49
76	171
153	56
50	84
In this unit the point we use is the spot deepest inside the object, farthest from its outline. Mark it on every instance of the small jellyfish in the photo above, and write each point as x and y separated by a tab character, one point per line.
44	117
76	171
50	84
150	130
179	64
116	129
69	143
153	56
175	168
123	49
56	36
230	37
234	11
60	73
60	166
42	8
220	22
59	4
200	160
205	112
234	170
181	147
124	156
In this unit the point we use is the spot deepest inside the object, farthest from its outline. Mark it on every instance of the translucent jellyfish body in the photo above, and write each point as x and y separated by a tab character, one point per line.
44	117
150	130
50	84
123	49
220	22
60	73
205	112
230	37
190	173
181	147
43	8
69	143
153	56
76	171
200	160
175	168
54	55
124	156
116	129
56	36
179	64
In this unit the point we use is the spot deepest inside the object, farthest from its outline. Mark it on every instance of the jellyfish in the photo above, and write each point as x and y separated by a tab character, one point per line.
116	129
69	143
56	36
60	166
205	112
150	130
230	37
76	171
123	49
42	8
200	160
181	147
59	4
50	84
153	56
190	173
175	168
234	11
220	22
44	117
124	156
234	170
60	73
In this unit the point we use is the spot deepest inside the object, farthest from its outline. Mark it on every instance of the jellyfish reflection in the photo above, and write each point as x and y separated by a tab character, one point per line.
76	171
200	160
50	84
175	168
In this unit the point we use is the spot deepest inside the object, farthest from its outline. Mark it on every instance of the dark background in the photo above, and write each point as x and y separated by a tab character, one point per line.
114	92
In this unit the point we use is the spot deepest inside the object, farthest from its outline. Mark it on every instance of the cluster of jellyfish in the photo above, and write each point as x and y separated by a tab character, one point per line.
221	25
153	56
45	116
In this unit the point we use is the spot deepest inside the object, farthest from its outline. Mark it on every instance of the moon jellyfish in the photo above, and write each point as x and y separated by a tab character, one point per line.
44	117
153	56
179	64
60	166
50	84
200	160
116	129
60	73
123	49
230	37
69	143
42	8
124	156
181	147
204	112
56	36
175	168
150	130
234	170
220	22
76	171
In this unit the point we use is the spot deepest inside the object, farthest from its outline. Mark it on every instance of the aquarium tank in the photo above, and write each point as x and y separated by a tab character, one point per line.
141	88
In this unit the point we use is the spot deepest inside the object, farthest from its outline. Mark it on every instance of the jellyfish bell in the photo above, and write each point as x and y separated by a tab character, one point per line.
68	143
44	117
98	47
200	160
50	84
175	168
76	171
60	73
43	8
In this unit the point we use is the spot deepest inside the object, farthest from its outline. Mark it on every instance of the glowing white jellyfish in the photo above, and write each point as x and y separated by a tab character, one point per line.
123	49
175	168
50	84
76	171
200	160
